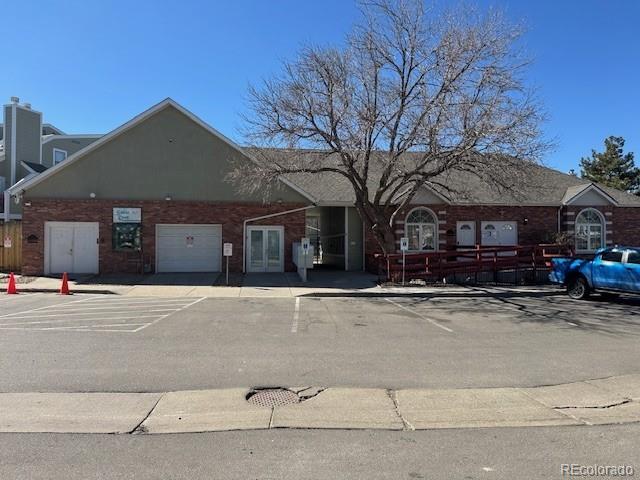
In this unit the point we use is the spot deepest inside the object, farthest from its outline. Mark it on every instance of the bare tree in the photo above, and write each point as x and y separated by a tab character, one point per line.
408	99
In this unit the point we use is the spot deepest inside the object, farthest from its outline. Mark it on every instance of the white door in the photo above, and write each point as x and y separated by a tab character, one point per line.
71	247
499	233
265	249
466	234
188	248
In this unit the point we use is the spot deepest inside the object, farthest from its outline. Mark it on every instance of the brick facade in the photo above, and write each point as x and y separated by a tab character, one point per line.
535	224
230	216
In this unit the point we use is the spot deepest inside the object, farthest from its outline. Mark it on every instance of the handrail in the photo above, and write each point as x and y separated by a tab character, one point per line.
440	264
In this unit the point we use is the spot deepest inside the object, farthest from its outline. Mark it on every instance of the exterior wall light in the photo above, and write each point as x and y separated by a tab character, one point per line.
92	195
525	221
168	198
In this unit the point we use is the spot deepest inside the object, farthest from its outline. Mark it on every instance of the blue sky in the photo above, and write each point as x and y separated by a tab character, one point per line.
90	66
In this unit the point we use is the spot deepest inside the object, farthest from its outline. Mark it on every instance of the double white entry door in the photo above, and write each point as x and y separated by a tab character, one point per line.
265	252
71	247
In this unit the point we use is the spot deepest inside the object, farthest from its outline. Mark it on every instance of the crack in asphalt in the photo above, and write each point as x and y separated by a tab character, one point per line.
405	423
612	405
140	428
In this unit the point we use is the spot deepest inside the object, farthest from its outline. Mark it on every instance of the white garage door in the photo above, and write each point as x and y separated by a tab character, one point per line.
71	247
188	248
499	233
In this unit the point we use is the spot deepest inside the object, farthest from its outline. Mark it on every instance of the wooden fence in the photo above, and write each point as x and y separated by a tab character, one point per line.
10	247
443	265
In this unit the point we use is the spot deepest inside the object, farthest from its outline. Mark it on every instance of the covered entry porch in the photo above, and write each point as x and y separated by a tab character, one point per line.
337	235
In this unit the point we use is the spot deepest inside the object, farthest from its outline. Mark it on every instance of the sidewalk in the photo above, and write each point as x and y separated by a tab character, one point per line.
287	286
605	401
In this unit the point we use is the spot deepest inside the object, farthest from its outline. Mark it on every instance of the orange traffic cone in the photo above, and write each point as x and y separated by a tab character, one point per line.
64	289
11	288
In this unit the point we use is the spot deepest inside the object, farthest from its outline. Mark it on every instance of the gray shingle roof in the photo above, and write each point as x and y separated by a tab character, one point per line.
534	185
36	167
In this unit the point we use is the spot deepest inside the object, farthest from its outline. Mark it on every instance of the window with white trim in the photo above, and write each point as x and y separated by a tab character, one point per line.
59	155
589	230
421	228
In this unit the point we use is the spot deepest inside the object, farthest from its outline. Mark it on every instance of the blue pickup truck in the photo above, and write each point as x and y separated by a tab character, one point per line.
611	271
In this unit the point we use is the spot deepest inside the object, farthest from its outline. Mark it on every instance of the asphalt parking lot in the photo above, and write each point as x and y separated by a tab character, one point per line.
480	337
483	453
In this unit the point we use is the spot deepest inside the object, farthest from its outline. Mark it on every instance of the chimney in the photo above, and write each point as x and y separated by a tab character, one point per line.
22	139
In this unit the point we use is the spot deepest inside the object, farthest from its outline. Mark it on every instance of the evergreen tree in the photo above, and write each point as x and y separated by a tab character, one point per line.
612	167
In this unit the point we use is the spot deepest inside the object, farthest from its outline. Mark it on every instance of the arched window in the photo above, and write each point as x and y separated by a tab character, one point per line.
421	227
589	230
489	231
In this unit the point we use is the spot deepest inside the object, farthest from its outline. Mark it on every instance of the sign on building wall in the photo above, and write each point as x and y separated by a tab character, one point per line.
304	244
127	215
127	229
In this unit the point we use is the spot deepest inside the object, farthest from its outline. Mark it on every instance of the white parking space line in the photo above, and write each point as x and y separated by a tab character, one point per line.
169	314
99	305
138	300
96	314
82	314
36	322
296	316
48	306
5	298
430	320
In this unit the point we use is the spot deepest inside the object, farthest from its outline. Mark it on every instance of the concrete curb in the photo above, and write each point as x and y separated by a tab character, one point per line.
261	292
611	400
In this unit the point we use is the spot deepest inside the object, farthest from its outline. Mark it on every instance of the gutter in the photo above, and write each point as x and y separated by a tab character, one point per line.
559	221
262	217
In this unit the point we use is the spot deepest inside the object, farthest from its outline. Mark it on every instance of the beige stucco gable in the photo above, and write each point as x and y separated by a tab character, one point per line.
166	154
591	197
587	195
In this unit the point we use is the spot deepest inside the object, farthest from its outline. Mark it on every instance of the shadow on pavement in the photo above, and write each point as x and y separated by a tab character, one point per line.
170	279
619	317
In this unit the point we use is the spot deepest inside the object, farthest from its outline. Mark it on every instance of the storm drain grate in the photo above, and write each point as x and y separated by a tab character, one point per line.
272	397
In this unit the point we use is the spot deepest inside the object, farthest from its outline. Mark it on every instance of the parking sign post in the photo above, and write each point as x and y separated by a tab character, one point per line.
404	246
227	252
304	245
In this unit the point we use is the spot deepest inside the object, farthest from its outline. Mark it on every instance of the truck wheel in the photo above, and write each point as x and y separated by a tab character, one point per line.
578	288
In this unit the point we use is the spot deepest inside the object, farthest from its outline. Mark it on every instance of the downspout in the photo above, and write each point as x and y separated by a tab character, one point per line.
14	140
559	217
7	205
262	217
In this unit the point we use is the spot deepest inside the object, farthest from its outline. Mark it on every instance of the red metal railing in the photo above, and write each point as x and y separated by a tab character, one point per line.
436	266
